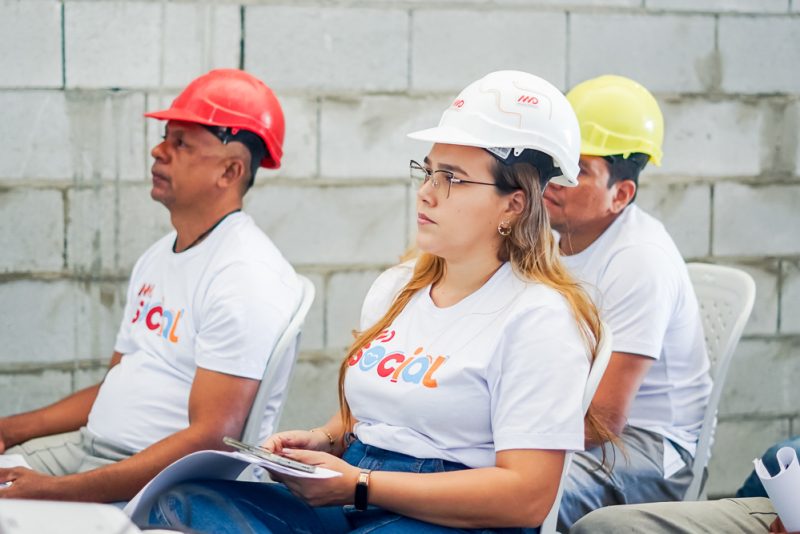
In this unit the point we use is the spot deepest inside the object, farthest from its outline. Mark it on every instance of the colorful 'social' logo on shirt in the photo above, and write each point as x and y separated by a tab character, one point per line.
156	318
397	366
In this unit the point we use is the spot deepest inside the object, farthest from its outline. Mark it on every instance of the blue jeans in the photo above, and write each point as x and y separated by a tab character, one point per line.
752	486
227	506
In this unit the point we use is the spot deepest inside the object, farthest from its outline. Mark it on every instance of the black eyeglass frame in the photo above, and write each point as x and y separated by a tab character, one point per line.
430	175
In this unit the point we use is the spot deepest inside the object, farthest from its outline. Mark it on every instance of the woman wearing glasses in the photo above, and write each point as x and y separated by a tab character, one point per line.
463	390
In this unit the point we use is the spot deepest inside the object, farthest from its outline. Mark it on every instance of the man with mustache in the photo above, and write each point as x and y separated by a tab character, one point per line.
657	383
205	306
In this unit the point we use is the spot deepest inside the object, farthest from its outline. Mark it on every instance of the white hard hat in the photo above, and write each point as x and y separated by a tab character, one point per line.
510	111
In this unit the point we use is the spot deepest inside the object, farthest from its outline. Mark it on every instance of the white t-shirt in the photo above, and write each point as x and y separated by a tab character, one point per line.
220	305
640	283
504	368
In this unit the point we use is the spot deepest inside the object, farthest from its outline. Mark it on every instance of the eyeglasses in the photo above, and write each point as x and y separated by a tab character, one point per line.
420	175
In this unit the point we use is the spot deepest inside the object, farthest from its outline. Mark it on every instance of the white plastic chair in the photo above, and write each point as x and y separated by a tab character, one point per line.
278	373
592	382
726	297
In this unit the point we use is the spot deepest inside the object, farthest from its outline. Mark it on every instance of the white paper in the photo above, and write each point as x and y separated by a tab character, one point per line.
672	460
204	465
784	488
13	460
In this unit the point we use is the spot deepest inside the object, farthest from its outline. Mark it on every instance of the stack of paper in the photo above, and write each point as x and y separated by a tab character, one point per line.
783	488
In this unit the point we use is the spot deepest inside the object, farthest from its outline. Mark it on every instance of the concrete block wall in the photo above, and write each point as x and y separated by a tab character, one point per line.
354	77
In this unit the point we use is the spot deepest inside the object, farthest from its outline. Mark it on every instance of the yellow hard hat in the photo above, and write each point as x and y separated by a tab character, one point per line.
617	116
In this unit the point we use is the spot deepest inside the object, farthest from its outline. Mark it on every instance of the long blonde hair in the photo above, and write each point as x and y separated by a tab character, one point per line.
533	253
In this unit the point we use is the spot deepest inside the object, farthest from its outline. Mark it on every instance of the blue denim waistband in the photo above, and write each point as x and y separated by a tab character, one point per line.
371	457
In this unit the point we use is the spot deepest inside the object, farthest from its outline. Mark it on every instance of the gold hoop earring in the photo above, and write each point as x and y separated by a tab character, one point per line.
504	229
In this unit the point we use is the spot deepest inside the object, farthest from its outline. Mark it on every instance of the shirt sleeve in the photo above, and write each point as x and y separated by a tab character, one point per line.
245	310
537	382
639	288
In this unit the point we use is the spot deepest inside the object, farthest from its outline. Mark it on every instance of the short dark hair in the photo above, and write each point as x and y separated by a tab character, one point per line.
254	144
621	168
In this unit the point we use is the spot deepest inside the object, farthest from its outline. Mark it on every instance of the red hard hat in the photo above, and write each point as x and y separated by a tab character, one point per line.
233	99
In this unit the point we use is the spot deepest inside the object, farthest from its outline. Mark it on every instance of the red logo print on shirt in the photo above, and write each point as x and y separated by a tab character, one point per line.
162	321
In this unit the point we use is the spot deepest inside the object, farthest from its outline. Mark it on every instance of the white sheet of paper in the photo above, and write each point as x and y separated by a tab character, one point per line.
204	465
784	488
672	460
13	460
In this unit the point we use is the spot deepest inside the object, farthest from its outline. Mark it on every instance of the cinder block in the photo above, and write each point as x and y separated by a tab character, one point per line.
790	298
27	391
312	395
762	378
711	139
524	3
721	6
31	230
757	54
43	116
685	211
313	336
332	225
110	227
764	317
198	38
99	307
327	48
30	36
476	43
736	444
38	321
793	115
113	44
73	135
672	53
367	138
301	145
346	292
755	221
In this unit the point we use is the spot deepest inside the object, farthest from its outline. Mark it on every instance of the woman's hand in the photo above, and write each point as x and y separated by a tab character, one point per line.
297	439
321	491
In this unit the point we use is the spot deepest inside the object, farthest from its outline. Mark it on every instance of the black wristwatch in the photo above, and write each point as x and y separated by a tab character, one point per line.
361	500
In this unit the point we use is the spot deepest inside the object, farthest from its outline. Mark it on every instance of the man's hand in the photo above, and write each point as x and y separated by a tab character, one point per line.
777	526
28	484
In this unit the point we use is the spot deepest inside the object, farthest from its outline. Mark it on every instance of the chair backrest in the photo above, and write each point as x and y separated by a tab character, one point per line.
278	373
599	365
726	297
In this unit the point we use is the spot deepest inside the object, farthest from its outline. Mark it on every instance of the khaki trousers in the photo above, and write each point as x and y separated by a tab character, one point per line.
753	514
68	453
